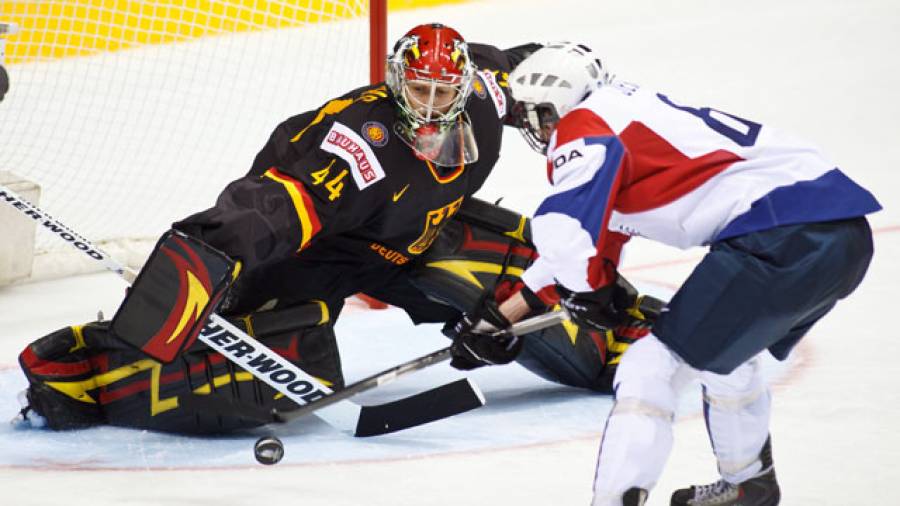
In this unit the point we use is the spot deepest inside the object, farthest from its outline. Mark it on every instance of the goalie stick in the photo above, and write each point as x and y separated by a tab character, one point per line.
414	402
395	415
251	355
646	306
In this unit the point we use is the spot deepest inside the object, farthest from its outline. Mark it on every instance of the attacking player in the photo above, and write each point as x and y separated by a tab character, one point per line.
369	193
787	238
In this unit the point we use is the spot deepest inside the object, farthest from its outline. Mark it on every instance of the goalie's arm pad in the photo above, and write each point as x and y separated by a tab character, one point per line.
257	219
282	207
500	63
492	58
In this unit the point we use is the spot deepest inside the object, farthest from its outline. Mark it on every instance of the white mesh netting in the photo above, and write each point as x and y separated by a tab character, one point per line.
133	114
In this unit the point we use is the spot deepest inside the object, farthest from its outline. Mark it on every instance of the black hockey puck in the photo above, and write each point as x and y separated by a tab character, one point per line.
268	450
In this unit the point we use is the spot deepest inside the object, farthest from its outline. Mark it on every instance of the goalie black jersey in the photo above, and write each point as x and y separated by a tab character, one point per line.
336	202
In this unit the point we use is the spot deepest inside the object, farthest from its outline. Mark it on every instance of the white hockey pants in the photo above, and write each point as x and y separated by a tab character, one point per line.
638	435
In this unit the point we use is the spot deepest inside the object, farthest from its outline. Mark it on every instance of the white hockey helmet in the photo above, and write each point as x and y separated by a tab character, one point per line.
550	83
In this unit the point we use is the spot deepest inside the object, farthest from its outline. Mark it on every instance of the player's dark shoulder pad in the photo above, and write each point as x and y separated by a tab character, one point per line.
488	57
494	65
353	110
298	137
492	58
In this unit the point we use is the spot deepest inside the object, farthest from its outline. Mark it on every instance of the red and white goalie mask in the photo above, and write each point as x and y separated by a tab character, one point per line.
430	74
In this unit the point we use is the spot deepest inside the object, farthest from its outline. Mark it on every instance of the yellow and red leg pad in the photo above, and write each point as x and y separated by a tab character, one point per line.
179	286
50	363
82	376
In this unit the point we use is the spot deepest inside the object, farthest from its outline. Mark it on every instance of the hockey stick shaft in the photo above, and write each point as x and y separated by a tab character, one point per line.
218	333
365	384
65	234
523	327
647	306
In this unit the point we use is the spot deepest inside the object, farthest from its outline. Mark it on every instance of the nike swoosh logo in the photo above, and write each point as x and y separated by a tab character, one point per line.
400	193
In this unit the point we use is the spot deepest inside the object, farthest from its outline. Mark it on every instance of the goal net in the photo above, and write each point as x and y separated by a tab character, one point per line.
130	115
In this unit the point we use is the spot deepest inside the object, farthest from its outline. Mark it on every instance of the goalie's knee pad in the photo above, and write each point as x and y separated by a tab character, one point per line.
487	247
82	376
569	355
180	285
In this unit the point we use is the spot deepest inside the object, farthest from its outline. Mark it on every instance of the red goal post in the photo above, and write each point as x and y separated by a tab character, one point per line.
377	39
128	115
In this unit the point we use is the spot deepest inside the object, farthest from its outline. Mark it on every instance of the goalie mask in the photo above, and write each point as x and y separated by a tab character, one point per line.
430	74
550	83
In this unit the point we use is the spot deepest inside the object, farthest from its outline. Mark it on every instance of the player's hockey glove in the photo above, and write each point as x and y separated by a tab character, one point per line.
474	341
602	309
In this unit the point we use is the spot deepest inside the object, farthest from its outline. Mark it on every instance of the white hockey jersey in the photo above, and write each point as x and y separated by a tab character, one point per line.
632	162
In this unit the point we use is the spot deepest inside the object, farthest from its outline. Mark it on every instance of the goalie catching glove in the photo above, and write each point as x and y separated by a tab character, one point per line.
475	339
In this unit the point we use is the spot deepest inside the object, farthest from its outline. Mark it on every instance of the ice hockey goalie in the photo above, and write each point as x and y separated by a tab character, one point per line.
82	376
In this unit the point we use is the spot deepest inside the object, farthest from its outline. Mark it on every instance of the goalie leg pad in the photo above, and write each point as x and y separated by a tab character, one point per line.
467	259
83	376
568	355
180	285
59	371
492	217
485	248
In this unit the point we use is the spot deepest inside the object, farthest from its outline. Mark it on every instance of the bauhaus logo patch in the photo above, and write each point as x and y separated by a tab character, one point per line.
347	144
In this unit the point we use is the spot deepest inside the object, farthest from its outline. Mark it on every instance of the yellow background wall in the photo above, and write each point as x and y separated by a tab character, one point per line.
62	28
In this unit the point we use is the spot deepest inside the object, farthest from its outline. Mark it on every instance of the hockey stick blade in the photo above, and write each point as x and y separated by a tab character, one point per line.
520	328
425	407
374	420
365	384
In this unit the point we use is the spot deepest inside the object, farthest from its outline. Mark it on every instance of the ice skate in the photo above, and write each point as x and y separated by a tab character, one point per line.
27	417
761	490
634	497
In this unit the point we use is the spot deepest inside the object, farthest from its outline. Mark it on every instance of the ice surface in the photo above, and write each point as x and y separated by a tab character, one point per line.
521	409
825	70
